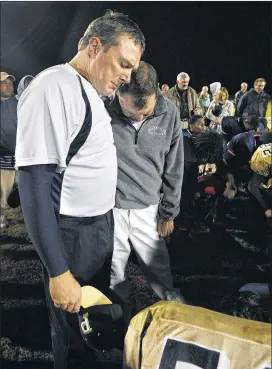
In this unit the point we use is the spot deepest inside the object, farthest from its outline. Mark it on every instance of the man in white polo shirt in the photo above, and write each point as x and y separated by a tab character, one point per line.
68	171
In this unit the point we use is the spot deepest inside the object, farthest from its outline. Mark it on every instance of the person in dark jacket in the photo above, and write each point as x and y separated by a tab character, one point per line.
232	126
189	185
255	101
260	185
208	177
239	94
239	152
7	140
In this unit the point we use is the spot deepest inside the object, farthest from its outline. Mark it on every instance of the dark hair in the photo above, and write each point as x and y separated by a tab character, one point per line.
266	138
209	148
262	123
143	83
109	27
252	121
217	110
194	119
245	305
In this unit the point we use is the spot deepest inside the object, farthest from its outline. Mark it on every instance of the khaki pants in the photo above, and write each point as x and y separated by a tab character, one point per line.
7	182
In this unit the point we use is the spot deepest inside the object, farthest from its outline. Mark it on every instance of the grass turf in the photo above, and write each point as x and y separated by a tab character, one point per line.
205	269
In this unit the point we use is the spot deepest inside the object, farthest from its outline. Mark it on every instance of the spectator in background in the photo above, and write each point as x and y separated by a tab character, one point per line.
7	140
189	184
255	101
214	87
204	99
25	81
220	107
239	94
185	98
165	89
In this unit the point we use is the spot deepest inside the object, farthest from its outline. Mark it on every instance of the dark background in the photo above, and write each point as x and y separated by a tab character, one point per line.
228	42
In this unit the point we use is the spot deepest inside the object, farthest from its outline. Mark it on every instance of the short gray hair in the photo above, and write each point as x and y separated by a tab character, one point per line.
109	27
182	75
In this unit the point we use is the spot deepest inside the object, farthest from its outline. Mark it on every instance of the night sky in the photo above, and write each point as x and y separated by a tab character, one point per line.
229	42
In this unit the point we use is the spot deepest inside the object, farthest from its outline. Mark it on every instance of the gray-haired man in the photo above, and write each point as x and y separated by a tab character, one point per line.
185	98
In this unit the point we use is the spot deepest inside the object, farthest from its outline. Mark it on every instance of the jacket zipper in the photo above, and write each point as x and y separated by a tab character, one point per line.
136	132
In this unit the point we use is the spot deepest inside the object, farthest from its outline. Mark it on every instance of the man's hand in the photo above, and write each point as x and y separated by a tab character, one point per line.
165	227
230	191
268	213
65	291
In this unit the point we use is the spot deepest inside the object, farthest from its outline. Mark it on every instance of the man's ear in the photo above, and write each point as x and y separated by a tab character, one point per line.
94	47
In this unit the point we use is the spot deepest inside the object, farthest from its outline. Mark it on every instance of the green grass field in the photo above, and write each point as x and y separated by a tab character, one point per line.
205	269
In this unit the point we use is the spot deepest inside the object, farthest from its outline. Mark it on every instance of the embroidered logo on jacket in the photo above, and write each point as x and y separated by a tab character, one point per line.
154	130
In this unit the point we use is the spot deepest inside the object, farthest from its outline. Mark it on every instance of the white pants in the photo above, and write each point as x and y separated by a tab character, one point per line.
139	226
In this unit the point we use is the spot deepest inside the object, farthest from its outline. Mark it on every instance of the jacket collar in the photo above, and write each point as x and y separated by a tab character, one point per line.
177	91
161	106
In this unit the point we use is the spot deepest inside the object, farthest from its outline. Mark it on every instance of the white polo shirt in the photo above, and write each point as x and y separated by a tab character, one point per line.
51	112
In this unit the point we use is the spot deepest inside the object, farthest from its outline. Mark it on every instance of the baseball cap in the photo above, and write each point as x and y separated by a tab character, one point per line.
5	75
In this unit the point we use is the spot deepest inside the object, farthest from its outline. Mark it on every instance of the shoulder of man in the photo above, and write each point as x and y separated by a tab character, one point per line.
49	79
266	95
172	91
192	91
56	75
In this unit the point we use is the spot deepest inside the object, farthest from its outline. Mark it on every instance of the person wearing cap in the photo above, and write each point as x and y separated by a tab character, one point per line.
7	140
67	166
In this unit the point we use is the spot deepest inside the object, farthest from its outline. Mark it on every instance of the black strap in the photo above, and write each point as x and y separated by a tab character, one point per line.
75	145
82	135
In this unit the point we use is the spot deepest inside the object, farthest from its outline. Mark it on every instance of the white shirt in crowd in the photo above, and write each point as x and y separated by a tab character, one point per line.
51	112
